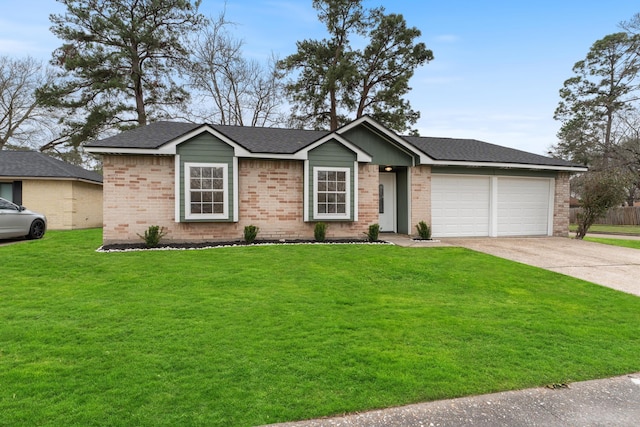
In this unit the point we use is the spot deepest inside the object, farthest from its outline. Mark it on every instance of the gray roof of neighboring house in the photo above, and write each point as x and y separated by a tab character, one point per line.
33	164
289	141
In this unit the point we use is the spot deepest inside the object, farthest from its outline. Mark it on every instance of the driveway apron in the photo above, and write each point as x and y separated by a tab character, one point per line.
606	265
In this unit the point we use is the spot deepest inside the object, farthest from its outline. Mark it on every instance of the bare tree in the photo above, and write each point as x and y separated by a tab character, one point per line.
234	90
23	122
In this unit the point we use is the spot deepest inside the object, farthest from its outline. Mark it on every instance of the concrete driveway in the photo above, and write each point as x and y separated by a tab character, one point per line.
612	266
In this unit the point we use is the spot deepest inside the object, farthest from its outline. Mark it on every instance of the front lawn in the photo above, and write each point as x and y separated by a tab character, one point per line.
254	335
634	244
614	229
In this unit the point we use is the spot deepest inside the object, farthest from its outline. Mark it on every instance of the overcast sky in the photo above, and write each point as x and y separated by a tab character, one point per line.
498	63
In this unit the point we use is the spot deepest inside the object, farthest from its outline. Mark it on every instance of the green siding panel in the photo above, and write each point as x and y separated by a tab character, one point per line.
206	148
402	199
332	154
381	150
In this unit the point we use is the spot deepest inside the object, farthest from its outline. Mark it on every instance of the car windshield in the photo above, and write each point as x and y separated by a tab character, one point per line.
5	204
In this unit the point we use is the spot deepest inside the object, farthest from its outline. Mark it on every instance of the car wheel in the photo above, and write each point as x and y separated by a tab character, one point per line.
37	229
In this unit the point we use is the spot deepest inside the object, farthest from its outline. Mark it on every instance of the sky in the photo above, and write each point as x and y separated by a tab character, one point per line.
497	69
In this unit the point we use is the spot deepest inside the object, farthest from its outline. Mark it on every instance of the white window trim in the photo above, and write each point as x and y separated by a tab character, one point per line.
347	214
305	215
176	188
356	191
187	191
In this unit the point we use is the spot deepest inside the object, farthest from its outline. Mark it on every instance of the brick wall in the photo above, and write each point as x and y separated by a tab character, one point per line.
139	192
53	198
67	204
87	205
420	196
561	205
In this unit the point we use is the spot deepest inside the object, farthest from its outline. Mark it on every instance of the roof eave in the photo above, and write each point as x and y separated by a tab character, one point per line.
50	178
169	148
507	165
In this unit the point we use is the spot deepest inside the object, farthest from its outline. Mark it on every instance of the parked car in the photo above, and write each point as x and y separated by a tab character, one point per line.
18	221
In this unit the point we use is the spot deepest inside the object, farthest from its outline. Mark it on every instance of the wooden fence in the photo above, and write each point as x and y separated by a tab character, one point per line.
629	215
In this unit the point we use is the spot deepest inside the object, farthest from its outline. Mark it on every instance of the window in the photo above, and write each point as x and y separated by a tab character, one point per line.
206	191
332	191
6	190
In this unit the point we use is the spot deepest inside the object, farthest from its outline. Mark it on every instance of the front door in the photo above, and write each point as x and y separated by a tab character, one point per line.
387	198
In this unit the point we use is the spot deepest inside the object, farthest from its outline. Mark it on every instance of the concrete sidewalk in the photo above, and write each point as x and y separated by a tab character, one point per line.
607	402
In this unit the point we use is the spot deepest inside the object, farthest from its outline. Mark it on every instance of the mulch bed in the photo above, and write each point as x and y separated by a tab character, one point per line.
209	245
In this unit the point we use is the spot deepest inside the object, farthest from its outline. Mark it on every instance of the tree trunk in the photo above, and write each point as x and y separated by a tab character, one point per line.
136	77
333	110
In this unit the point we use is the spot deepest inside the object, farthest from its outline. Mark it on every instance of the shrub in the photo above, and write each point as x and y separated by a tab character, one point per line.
250	233
599	192
424	231
152	236
374	230
320	231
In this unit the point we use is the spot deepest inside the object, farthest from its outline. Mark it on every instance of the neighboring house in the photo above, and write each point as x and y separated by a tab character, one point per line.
70	196
207	182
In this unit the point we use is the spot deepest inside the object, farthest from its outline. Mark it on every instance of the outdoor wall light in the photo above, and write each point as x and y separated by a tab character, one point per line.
388	168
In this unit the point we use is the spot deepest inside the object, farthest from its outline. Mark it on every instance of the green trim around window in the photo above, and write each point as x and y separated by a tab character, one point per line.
330	156
207	150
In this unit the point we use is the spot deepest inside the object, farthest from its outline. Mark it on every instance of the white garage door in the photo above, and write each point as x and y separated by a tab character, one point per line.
523	206
459	205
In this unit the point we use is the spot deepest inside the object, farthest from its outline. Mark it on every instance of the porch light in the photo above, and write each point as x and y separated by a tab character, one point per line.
388	168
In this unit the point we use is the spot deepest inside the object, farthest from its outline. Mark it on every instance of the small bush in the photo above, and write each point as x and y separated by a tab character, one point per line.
250	233
374	230
152	236
424	231
320	231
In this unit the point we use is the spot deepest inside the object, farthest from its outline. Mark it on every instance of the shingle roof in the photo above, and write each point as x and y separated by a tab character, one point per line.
254	139
471	150
33	164
271	140
289	141
151	136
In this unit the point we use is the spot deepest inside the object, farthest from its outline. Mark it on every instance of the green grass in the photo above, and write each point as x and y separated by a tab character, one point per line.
254	335
617	229
635	244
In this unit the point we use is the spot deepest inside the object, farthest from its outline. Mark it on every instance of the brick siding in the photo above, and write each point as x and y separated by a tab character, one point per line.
139	192
67	204
561	205
420	196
